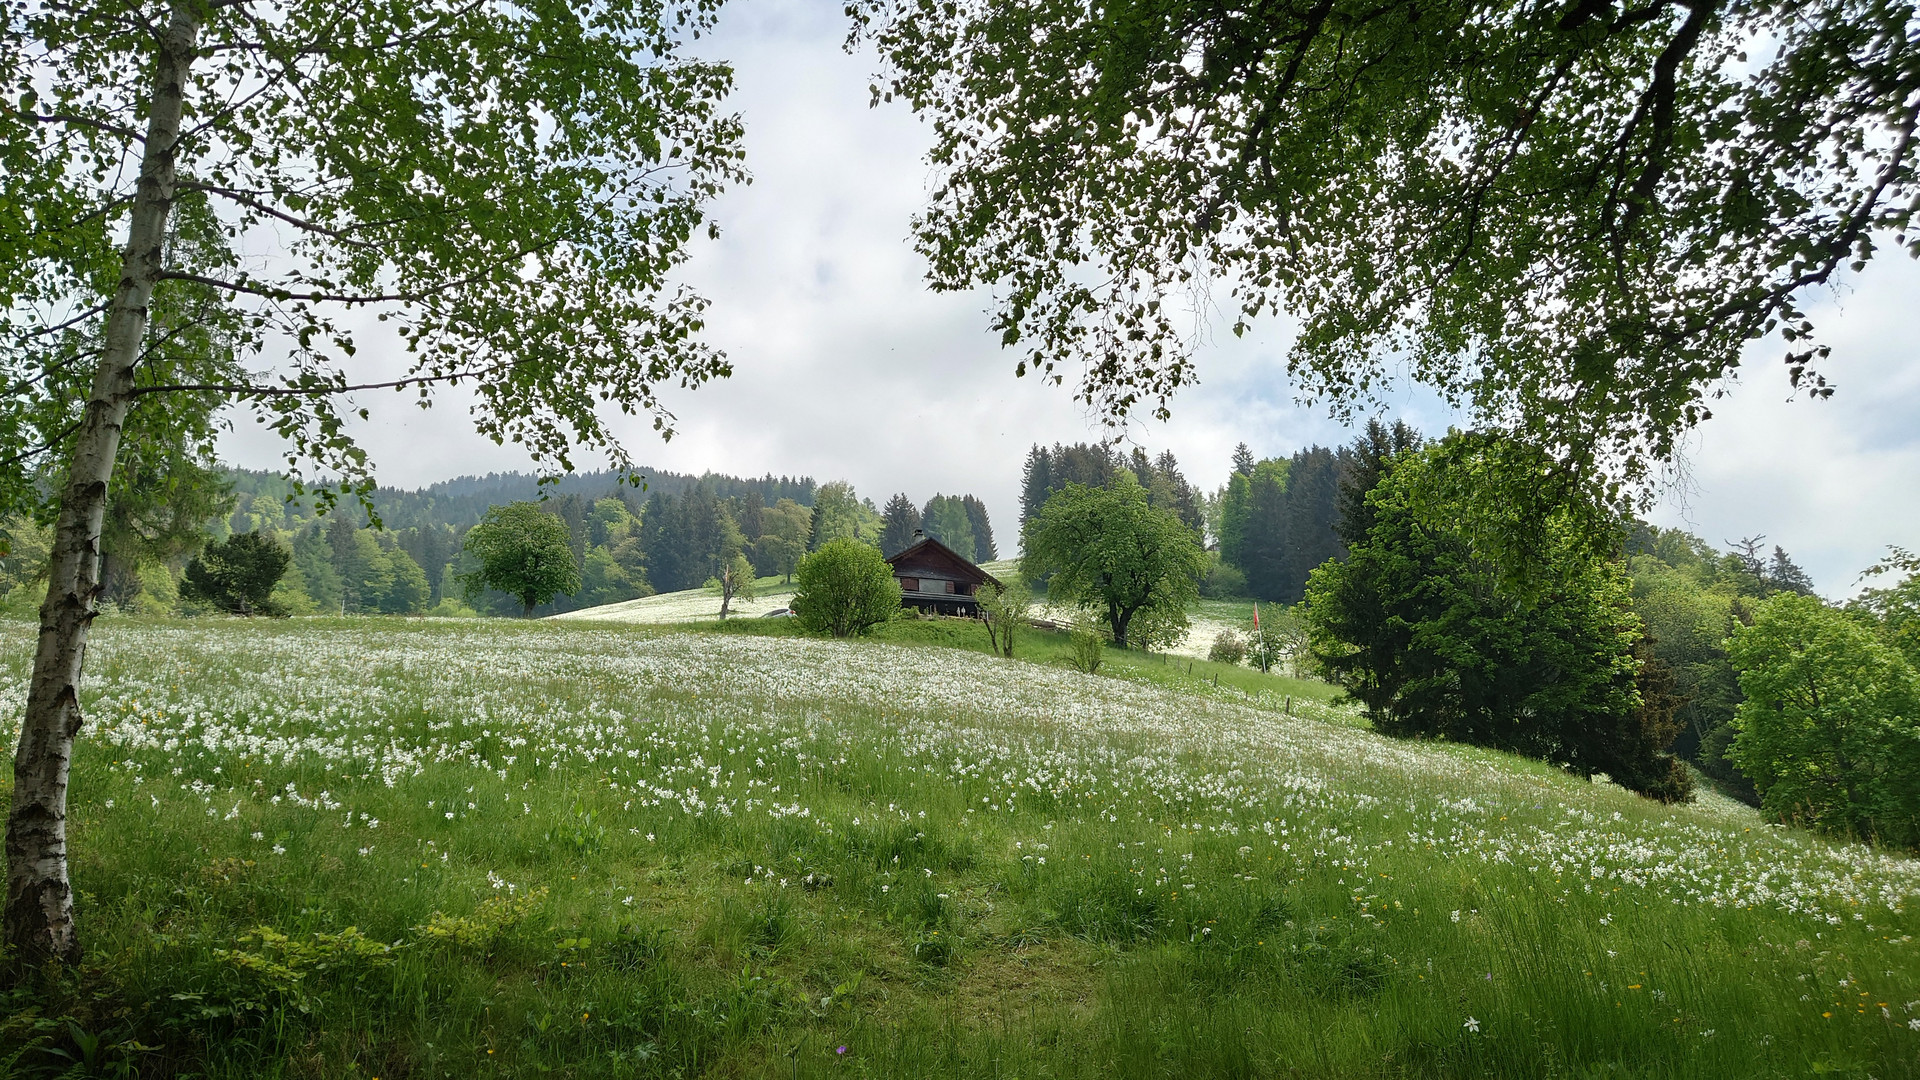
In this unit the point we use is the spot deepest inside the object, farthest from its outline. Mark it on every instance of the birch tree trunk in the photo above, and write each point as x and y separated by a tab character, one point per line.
39	906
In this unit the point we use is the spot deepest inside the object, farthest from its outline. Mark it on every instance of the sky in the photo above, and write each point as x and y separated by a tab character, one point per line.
847	367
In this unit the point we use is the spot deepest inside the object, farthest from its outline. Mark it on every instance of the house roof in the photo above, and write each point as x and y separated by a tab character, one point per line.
932	555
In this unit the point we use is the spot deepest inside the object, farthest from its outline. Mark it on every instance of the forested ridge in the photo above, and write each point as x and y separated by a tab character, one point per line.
402	552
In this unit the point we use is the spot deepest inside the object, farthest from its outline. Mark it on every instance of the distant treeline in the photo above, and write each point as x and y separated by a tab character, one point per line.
414	562
462	502
672	534
1268	527
1050	470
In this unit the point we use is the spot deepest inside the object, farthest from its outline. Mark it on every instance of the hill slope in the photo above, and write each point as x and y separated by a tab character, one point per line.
384	848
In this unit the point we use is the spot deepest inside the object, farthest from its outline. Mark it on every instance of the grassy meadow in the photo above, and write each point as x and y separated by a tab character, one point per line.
408	848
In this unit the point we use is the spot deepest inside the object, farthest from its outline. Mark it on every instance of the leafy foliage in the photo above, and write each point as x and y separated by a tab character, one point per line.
1895	607
525	260
1588	210
1830	728
1429	631
524	552
839	512
237	575
783	543
1110	551
845	588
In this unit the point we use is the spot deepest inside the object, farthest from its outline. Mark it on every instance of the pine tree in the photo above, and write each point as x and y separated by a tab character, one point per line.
1243	460
1784	575
1368	462
983	549
687	538
1036	483
900	519
1312	509
1186	500
1264	545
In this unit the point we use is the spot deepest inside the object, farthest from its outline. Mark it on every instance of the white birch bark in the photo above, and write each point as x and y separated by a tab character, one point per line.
39	903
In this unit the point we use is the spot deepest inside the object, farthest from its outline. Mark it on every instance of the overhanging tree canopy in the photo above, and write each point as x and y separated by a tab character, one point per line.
189	184
1571	214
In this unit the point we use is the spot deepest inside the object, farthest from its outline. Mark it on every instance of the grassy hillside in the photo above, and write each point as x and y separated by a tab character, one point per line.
384	848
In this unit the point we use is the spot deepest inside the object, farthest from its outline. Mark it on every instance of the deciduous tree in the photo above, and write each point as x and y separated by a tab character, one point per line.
1006	607
1830	728
1573	217
1110	551
186	184
522	551
734	581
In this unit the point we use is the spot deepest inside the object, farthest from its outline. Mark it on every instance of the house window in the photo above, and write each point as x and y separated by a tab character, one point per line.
909	584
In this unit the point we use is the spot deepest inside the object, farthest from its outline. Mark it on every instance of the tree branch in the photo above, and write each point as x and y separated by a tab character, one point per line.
271	211
90	122
242	391
34	451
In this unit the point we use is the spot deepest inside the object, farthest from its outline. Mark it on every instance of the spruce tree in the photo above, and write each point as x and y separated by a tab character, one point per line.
983	548
899	520
237	575
1784	575
1036	483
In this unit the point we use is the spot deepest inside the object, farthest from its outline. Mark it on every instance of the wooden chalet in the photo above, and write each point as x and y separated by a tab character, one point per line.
937	580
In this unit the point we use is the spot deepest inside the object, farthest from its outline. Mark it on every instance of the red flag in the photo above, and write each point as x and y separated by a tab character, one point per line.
1256	614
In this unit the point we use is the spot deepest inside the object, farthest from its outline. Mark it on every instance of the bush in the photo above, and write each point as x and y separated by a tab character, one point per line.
1085	648
845	588
1227	648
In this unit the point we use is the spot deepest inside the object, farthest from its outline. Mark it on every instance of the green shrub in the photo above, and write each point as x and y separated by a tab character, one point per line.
1085	648
845	588
1227	648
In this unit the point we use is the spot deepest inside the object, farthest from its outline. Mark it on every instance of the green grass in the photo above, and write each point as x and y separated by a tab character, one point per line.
945	864
1239	610
1049	647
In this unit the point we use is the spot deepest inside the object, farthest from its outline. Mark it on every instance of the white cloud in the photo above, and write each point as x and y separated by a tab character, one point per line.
847	367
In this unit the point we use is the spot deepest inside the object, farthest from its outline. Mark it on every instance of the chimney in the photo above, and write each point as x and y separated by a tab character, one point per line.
919	535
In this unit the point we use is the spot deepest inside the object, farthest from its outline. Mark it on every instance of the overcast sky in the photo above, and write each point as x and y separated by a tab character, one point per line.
847	367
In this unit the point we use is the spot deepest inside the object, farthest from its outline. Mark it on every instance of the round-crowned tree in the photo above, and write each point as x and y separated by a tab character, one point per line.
1111	552
845	588
1830	728
237	575
524	552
